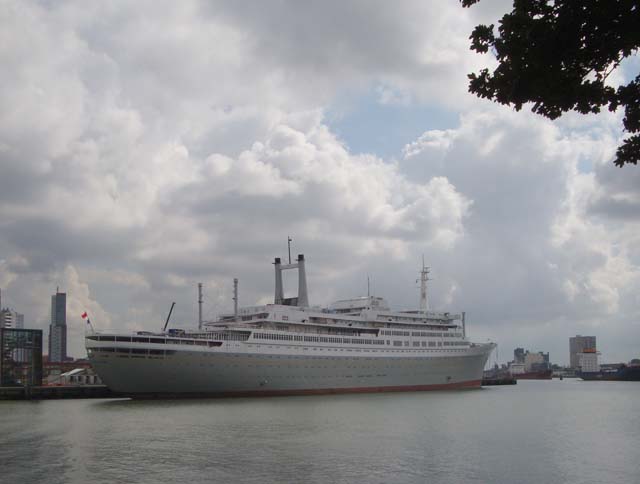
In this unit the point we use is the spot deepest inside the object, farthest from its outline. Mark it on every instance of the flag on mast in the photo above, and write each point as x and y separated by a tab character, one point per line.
86	316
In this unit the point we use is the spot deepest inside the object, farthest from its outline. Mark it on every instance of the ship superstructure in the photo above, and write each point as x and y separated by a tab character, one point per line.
288	347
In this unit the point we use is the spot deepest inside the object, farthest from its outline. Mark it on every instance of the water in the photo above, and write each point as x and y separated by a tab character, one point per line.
537	431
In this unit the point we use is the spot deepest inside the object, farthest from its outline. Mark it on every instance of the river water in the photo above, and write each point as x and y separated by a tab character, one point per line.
536	431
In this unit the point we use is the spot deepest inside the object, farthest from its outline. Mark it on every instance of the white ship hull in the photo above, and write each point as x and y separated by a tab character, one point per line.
292	371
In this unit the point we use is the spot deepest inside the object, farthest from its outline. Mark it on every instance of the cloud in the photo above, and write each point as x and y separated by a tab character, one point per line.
532	233
147	147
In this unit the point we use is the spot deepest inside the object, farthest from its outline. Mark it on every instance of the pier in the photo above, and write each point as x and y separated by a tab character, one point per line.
500	380
56	392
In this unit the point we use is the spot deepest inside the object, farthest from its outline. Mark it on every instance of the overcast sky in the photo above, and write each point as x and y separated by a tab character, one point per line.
149	146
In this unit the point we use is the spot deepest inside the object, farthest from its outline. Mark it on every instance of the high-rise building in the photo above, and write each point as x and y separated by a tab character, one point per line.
577	345
11	319
58	328
518	355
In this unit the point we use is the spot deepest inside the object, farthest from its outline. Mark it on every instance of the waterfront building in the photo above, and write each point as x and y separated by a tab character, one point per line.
79	376
577	345
530	366
20	357
588	361
536	361
518	355
58	328
51	371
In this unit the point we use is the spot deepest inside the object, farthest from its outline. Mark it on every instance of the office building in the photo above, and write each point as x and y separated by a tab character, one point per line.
10	318
588	361
577	345
20	357
536	361
518	355
58	328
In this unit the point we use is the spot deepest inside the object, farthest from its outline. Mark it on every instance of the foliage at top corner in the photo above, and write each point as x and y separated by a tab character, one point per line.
558	55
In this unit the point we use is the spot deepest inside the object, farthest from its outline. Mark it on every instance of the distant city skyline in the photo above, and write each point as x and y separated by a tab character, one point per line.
137	162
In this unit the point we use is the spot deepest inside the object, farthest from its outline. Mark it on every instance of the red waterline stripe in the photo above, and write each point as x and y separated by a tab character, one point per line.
315	391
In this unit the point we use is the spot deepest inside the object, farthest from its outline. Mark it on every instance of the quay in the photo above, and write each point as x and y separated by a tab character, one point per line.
501	380
56	392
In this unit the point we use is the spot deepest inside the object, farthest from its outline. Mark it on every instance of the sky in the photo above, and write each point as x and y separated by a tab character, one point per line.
148	146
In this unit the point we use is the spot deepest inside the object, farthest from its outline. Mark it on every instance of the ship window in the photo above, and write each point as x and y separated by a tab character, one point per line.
406	343
424	343
106	338
397	343
416	343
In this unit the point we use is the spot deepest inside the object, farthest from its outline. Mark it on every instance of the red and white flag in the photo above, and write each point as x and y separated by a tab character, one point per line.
89	325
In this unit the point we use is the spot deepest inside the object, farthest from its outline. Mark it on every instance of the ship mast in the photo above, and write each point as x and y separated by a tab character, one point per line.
200	306
235	298
424	277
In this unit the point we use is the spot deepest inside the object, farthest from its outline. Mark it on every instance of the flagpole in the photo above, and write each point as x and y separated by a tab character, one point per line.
85	315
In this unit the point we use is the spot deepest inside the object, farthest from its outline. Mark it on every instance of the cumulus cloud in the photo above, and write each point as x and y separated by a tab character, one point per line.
147	147
551	263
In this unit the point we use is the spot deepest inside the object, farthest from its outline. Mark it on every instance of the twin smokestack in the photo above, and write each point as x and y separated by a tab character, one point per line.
303	299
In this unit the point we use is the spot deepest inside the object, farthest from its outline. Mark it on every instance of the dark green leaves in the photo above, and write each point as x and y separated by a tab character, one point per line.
558	55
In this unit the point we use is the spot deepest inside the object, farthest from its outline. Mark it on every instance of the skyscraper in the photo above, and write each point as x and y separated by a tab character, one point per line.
11	319
576	345
58	328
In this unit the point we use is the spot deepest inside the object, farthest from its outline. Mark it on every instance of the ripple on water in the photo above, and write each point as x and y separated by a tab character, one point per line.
569	431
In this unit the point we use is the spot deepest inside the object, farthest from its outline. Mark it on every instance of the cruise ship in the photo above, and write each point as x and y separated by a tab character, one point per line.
291	348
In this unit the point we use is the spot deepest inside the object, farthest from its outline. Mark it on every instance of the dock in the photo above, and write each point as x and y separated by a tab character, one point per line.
56	392
501	380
